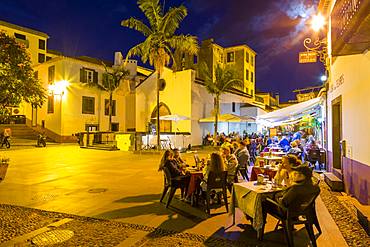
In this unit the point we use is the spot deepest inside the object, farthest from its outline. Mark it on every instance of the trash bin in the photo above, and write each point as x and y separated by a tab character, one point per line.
91	139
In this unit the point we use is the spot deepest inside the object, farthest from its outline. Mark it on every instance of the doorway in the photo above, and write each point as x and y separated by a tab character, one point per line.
34	116
336	107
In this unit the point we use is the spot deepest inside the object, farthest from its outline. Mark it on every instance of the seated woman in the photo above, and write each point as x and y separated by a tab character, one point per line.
168	162
285	168
216	165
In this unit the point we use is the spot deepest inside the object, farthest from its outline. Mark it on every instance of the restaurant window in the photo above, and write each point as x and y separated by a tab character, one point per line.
88	105
247	75
41	58
252	77
106	109
233	106
51	74
230	57
51	104
247	57
42	44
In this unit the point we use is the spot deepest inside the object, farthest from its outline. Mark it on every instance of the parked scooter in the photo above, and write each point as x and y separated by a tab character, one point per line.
41	141
5	141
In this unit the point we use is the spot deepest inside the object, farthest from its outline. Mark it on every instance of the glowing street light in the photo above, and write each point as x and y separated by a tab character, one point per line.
318	22
323	78
58	88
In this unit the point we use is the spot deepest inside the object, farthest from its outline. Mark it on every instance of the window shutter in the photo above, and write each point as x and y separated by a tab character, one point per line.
95	79
82	75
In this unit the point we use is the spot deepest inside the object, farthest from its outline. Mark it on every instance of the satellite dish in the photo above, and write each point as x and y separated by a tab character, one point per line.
162	84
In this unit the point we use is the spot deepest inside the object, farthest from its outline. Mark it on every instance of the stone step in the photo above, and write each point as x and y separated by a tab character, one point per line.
335	183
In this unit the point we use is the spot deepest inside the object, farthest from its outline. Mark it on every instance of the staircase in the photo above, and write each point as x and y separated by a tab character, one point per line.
335	183
21	131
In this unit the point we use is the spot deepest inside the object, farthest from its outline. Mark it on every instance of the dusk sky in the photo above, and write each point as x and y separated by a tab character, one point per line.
275	29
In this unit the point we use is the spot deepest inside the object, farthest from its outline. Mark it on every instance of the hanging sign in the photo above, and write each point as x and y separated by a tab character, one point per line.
307	57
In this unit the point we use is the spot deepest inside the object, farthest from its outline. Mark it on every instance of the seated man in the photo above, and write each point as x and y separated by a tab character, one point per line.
299	192
178	160
242	155
294	149
231	163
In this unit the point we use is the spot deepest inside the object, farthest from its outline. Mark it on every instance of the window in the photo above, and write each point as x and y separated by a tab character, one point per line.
88	105
233	106
41	58
247	57
252	77
106	109
51	74
48	58
51	104
247	75
42	44
20	36
115	126
195	59
252	60
230	57
88	76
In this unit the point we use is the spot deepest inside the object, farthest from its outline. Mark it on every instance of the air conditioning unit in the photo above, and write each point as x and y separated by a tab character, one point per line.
16	111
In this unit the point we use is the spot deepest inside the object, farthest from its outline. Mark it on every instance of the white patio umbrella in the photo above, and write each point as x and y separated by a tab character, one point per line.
176	118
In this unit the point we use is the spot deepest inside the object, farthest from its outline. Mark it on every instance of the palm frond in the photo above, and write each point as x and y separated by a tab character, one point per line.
152	11
137	25
184	43
141	50
171	20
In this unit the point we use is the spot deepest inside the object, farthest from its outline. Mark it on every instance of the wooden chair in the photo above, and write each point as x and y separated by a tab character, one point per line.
216	181
306	214
173	184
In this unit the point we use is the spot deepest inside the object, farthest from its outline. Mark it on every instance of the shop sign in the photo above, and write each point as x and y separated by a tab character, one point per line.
307	57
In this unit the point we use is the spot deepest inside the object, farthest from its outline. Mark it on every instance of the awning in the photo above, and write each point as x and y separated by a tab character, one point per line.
228	118
291	113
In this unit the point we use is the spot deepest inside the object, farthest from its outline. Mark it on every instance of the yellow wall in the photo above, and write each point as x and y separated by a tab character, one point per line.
176	95
68	118
32	39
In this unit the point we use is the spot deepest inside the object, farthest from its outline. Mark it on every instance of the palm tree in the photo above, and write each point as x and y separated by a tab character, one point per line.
111	81
223	80
160	39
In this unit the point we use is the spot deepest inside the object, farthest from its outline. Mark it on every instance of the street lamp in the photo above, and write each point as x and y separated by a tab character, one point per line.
318	46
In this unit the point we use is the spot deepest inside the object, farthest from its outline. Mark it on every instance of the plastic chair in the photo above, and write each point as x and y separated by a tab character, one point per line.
216	181
171	183
305	214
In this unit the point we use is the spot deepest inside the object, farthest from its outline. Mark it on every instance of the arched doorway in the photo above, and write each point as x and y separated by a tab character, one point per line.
164	125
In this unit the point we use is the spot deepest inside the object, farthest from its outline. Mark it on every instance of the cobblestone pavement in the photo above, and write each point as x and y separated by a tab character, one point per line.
17	221
345	217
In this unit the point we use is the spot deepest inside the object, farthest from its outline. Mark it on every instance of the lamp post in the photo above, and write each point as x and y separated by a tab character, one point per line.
320	48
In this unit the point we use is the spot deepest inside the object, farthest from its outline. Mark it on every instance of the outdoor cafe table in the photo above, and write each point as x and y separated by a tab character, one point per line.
195	177
248	197
269	171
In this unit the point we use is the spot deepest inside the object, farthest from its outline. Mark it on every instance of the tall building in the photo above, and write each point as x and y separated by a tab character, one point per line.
34	41
241	58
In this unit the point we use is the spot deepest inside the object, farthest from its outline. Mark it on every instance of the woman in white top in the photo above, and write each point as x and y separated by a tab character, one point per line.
283	175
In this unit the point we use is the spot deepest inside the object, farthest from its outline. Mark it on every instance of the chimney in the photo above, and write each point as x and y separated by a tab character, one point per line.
118	58
277	96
